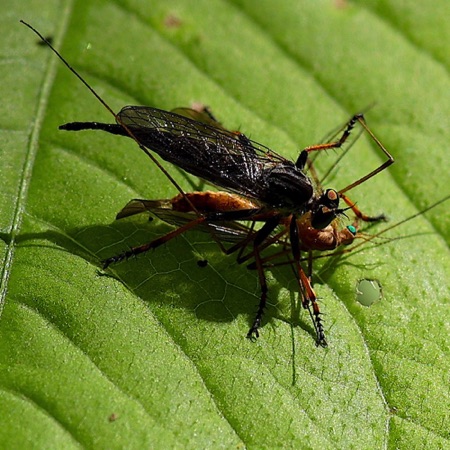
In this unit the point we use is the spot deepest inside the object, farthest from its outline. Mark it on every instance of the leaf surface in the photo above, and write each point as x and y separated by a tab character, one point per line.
155	355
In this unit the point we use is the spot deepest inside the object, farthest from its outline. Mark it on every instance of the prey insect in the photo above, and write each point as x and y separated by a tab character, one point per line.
266	198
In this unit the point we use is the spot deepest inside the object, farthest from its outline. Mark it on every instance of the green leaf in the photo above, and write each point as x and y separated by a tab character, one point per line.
155	356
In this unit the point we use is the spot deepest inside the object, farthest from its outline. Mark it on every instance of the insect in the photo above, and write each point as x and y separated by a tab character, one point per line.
267	199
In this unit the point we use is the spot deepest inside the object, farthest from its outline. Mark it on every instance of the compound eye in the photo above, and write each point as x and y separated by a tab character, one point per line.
352	229
331	198
332	194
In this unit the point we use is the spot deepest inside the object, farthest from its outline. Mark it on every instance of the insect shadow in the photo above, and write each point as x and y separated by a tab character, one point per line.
281	200
219	292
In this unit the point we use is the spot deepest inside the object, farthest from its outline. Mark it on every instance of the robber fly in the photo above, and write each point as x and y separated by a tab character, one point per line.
260	187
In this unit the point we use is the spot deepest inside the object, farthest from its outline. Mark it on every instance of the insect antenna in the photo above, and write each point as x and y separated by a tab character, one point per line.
116	116
371	237
366	238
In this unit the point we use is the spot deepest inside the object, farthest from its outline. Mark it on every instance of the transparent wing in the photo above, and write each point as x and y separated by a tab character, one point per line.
228	231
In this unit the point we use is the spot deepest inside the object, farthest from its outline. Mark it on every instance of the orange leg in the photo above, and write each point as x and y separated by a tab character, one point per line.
302	160
359	214
153	244
309	302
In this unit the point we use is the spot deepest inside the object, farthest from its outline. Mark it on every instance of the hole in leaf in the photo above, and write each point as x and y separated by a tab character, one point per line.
368	292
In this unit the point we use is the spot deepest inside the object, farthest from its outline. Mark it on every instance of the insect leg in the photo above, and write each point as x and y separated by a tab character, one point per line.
266	262
339	142
252	235
260	236
359	214
253	332
380	168
153	244
267	243
309	298
303	157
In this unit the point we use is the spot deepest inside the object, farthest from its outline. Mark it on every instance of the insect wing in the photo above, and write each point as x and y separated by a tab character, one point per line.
213	154
203	116
138	206
228	231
